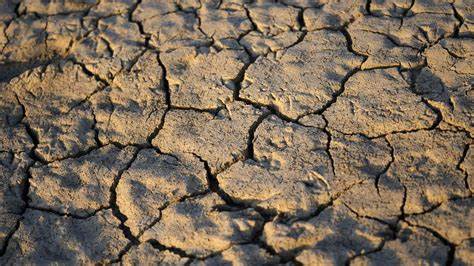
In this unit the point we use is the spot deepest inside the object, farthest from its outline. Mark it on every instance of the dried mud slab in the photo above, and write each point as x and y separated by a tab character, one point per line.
132	108
412	246
259	44
464	253
447	81
105	8
78	186
7	13
95	53
305	3
273	18
32	41
275	28
123	37
13	175
54	108
382	199
154	181
190	132
3	38
202	79
431	6
391	8
464	9
174	30
151	8
333	14
356	159
290	171
62	31
381	49
169	28
63	136
429	172
112	45
198	227
50	7
219	139
224	25
332	237
313	120
249	254
15	138
91	37
46	238
304	78
403	8
13	135
416	31
145	253
359	165
378	102
452	220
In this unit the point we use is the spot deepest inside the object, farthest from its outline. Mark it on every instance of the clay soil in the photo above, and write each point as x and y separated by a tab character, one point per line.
236	132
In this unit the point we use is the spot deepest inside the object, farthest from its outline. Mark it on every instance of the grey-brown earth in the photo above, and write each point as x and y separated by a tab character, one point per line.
237	132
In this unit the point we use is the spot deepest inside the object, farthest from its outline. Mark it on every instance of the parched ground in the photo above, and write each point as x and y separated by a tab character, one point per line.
299	132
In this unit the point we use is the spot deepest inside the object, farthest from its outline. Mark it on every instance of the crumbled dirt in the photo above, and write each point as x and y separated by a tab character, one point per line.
237	132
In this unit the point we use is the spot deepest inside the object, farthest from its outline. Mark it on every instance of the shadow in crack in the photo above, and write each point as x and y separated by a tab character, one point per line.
13	69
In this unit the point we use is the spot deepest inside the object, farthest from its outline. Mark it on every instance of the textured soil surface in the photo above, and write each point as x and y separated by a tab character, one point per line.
299	132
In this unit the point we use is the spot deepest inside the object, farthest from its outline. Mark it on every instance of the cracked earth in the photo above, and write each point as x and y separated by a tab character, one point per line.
188	132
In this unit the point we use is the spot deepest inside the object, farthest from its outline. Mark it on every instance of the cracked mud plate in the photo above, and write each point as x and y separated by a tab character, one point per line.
236	132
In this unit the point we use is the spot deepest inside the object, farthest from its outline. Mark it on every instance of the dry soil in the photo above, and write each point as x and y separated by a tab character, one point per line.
207	132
